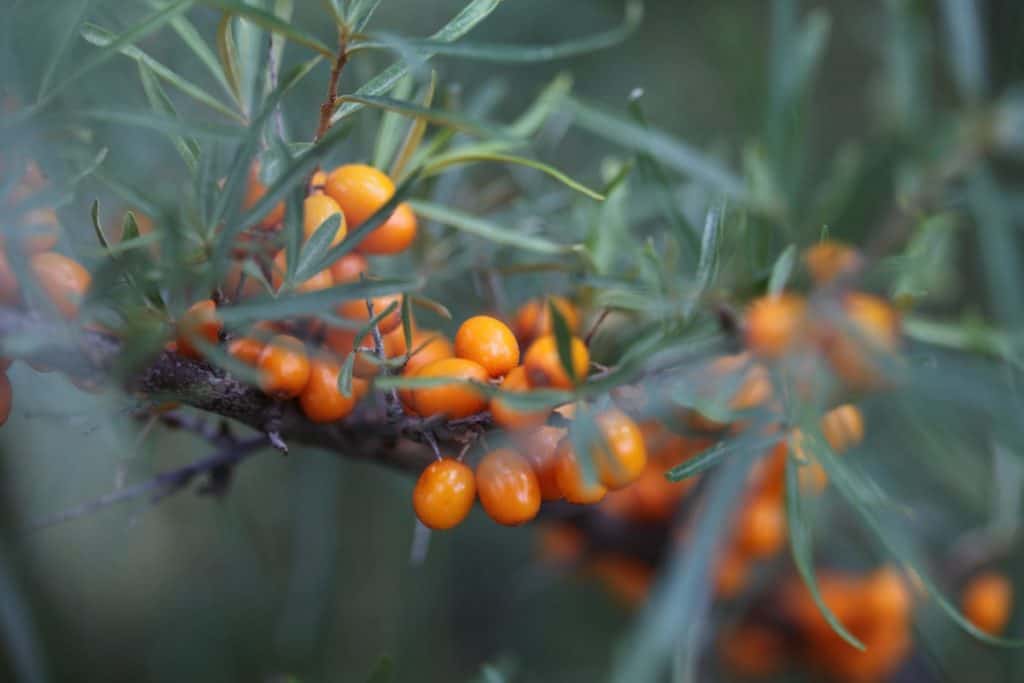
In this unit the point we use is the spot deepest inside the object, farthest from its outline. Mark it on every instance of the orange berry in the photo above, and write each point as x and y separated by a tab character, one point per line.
510	418
343	342
349	267
316	209
508	488
533	319
987	601
843	427
63	280
570	479
828	260
887	596
762	527
254	192
318	281
775	324
454	400
199	322
317	182
237	288
321	400
360	388
6	397
627	578
444	494
755	388
360	191
284	366
539	447
427	347
544	365
246	350
871	329
393	235
356	309
489	342
625	457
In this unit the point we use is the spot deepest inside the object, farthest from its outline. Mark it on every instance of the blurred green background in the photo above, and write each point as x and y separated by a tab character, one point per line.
304	568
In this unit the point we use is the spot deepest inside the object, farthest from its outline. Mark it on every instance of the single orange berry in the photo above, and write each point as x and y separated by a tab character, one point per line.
533	319
887	595
316	209
843	427
63	280
360	191
570	479
321	400
6	398
622	456
775	324
349	267
199	322
254	193
871	330
427	347
454	400
246	350
357	310
828	260
762	527
987	601
539	446
321	280
544	365
284	366
444	494
510	418
508	488
393	235
489	342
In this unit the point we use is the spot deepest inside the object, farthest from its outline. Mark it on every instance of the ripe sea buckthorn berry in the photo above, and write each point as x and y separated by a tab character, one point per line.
508	488
63	280
321	400
393	235
454	400
254	192
871	330
321	280
843	427
284	366
427	346
887	595
360	191
317	182
199	322
570	479
246	350
316	209
987	602
508	417
489	342
444	494
356	309
762	527
812	475
828	260
349	267
625	457
539	446
10	291
544	365
774	325
626	578
6	398
533	319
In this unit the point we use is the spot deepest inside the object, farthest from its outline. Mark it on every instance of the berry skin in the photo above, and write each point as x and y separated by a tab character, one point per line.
393	235
762	527
626	456
987	601
828	260
508	488
887	595
510	418
539	446
489	342
246	350
427	347
360	191
569	476
349	267
444	494
63	280
321	400
284	366
356	309
843	427
318	281
533	319
454	400
6	398
317	208
544	366
775	324
254	192
199	322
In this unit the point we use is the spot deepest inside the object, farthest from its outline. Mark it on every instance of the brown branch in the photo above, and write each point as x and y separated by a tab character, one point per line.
331	101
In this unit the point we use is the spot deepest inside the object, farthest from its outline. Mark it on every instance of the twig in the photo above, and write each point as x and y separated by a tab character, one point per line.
596	326
329	103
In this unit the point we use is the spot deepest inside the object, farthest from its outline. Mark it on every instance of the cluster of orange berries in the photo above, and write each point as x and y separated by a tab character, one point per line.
62	280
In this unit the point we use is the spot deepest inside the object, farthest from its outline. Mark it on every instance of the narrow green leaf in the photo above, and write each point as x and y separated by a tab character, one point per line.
272	23
345	376
800	546
190	36
61	42
187	147
437	116
144	203
707	266
94	212
694	466
312	303
407	320
563	340
165	124
314	249
129	227
782	270
389	130
228	54
488	230
586	438
360	12
549	100
432	306
458	156
415	135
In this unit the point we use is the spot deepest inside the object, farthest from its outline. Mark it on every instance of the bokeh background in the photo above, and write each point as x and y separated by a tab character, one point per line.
304	569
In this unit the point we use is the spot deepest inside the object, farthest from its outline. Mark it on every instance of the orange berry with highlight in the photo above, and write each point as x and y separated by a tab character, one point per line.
321	399
775	325
427	346
360	191
828	260
570	479
533	319
887	595
63	280
349	267
317	208
762	527
444	494
508	488
454	400
544	365
356	309
246	350
489	342
987	602
199	322
6	398
843	427
511	418
284	366
622	457
393	235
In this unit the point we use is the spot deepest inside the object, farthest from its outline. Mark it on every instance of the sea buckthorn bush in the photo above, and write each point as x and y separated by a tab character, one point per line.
576	341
